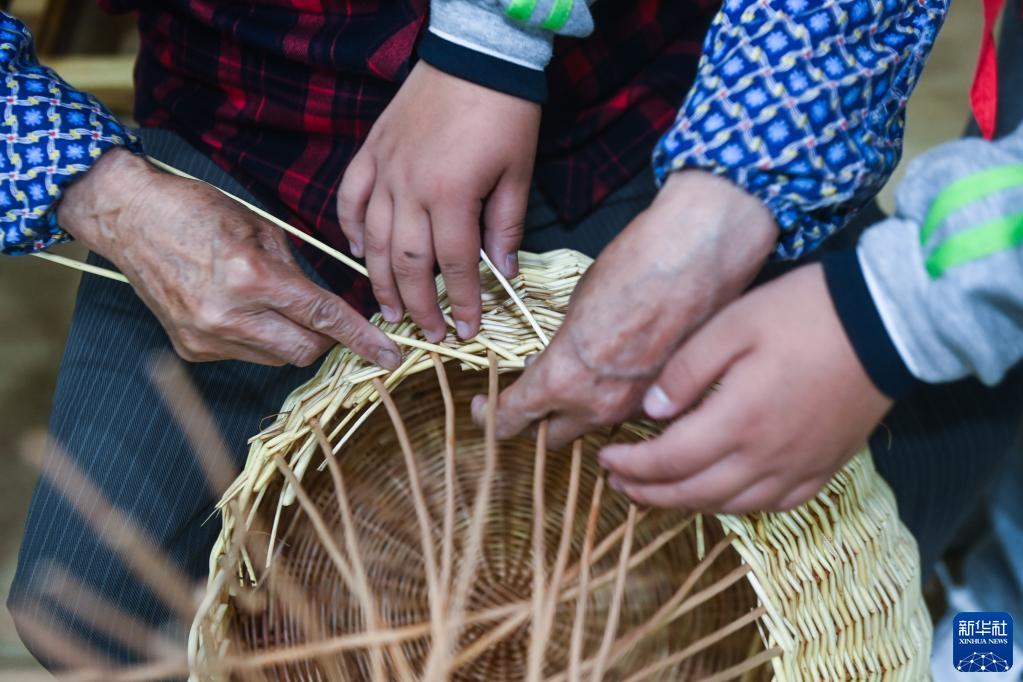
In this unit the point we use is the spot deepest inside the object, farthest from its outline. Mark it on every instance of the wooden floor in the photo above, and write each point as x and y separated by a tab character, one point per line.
36	297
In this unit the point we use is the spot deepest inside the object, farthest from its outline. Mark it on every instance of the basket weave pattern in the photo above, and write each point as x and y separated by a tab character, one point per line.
425	550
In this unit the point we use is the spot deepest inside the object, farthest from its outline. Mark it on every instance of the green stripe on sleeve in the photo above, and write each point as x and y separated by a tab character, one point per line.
968	190
556	18
980	242
521	10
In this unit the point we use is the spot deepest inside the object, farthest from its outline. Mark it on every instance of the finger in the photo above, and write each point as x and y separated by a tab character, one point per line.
693	368
562	429
707	491
412	262
517	408
800	494
275	242
378	255
457	244
318	310
283	339
504	220
220	349
524	402
763	495
352	199
694	442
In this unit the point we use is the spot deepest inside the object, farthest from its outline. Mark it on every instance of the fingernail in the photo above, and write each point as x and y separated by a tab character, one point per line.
511	265
388	359
610	455
657	404
435	336
389	313
355	248
615	483
463	329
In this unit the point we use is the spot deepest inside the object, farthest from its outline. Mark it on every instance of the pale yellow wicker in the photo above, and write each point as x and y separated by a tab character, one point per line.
376	533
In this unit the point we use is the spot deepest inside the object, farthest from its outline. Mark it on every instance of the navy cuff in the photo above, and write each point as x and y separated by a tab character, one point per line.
864	326
483	69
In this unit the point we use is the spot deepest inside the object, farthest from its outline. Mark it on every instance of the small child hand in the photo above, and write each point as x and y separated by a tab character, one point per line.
444	153
793	406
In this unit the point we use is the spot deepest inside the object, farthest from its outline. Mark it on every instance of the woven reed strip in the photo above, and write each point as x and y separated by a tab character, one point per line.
807	537
537	643
585	561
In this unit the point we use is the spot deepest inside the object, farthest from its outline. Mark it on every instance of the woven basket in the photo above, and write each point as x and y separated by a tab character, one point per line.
427	551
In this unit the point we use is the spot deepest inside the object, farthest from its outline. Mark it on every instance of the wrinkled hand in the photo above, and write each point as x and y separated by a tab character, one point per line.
444	152
697	247
220	279
793	406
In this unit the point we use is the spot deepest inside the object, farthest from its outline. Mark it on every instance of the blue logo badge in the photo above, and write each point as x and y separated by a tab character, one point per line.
982	642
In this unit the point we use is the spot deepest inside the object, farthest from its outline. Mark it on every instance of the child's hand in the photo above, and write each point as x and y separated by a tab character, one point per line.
793	405
444	153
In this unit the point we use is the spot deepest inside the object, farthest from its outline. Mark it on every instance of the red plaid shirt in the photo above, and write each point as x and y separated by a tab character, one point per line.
282	92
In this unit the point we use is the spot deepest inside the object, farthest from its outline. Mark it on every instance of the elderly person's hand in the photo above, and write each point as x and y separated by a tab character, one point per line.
695	249
444	154
221	279
793	405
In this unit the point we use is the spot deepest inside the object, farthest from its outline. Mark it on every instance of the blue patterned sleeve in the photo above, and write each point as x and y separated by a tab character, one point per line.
802	104
51	134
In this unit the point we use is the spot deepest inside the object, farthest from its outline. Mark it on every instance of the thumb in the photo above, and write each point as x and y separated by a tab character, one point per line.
696	364
504	219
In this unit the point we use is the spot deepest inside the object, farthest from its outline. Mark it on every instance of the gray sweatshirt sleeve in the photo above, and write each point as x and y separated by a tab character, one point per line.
502	44
946	274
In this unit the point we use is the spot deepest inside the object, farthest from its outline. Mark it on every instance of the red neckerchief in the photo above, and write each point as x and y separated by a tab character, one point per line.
984	91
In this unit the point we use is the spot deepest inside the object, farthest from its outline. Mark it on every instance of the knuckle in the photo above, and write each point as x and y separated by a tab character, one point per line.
458	269
407	263
188	347
305	353
447	189
376	242
607	407
505	227
755	423
328	315
679	375
209	318
383	293
242	272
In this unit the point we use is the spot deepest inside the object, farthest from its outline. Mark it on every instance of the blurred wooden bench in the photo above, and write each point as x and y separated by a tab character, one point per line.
90	50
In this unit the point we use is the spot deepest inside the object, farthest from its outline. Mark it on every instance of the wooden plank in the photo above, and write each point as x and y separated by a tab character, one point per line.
109	77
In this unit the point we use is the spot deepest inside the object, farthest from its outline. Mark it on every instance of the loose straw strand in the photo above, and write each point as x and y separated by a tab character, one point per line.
481	504
365	593
611	626
447	546
576	650
83	267
536	643
419	502
551	597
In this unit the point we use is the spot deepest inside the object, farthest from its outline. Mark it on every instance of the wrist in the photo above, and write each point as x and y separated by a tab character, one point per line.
714	203
484	69
96	207
863	326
